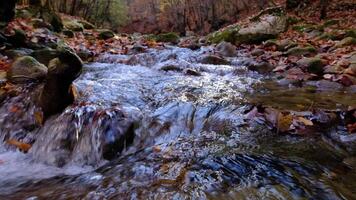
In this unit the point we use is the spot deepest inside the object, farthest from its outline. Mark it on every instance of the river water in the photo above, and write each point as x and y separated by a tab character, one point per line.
161	125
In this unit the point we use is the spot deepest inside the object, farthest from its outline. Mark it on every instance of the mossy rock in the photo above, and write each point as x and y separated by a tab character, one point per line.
350	33
54	19
106	34
268	24
168	37
307	28
313	65
73	25
228	35
331	22
301	51
346	42
45	55
26	69
87	25
16	53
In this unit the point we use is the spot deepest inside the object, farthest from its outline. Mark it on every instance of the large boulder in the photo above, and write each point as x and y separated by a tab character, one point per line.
26	69
268	24
62	71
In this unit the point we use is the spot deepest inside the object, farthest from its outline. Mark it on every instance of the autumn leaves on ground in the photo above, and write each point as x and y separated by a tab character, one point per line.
295	48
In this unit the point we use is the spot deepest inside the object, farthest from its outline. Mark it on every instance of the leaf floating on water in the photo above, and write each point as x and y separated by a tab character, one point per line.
20	145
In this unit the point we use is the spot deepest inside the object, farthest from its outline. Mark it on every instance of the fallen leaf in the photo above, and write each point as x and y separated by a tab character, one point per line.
20	145
305	121
39	117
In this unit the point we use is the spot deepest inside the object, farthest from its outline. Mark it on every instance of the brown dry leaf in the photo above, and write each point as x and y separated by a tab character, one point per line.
20	145
305	121
284	122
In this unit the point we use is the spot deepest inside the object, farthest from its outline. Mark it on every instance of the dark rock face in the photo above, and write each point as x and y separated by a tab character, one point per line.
62	71
7	10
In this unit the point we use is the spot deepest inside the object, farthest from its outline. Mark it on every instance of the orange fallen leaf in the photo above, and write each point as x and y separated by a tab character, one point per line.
305	121
20	145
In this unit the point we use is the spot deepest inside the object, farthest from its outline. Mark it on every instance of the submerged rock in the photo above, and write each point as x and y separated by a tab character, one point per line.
26	69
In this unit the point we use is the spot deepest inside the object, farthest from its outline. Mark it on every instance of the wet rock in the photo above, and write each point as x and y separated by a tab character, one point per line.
106	34
286	44
62	71
68	33
214	60
26	69
346	42
87	25
226	49
257	52
192	72
171	68
73	25
20	52
85	54
268	24
190	43
168	37
45	55
262	68
18	39
301	51
312	65
138	48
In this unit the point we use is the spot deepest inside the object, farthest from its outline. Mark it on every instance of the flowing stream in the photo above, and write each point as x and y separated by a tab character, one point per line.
161	125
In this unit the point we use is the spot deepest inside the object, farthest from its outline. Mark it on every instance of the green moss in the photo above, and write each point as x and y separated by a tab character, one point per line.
73	25
331	22
293	20
167	37
227	35
346	42
351	33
